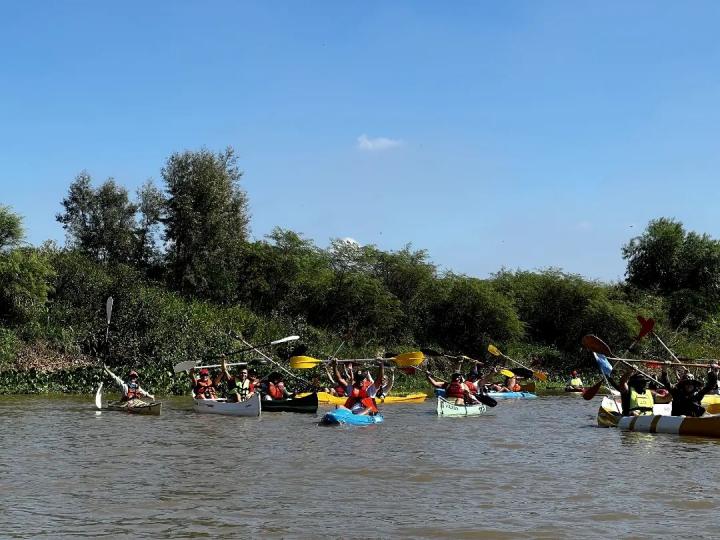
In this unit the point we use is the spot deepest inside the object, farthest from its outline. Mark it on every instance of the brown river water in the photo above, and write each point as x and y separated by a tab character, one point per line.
534	469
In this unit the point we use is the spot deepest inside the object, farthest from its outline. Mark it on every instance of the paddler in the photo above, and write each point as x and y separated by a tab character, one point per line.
635	396
240	388
275	388
386	386
509	385
456	389
360	390
688	393
131	391
204	387
575	382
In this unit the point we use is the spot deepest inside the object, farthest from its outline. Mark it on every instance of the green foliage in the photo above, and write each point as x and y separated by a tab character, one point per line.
24	285
11	229
206	222
9	346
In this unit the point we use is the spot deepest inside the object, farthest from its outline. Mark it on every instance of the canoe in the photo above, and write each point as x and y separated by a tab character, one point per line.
344	416
440	392
571	390
153	408
306	404
249	407
706	426
447	408
325	398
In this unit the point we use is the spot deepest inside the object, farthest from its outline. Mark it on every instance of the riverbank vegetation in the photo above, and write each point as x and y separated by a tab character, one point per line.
185	274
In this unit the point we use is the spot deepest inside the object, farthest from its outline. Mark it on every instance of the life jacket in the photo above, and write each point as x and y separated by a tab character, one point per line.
516	388
472	387
133	392
360	395
642	403
204	389
243	388
276	391
577	381
455	390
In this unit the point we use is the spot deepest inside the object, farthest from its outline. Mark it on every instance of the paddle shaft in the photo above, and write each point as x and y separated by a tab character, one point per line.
254	348
664	364
267	357
666	347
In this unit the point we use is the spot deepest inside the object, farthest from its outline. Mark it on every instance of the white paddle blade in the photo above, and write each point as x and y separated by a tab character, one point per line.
108	308
98	397
184	366
285	339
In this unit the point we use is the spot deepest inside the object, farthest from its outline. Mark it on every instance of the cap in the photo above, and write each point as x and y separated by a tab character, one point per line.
132	373
204	371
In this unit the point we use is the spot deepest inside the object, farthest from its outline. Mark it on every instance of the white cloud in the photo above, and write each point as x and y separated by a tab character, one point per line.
378	143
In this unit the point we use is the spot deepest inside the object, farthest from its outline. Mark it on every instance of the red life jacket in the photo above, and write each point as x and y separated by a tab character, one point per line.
204	389
455	390
133	392
360	395
472	387
276	390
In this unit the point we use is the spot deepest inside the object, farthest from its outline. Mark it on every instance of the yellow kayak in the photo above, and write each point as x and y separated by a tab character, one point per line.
329	399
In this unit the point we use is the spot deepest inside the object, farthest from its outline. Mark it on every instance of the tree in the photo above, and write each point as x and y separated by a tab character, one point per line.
151	204
100	222
206	221
11	229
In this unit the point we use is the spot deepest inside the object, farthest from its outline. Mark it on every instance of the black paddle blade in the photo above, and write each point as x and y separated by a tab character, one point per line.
522	372
486	400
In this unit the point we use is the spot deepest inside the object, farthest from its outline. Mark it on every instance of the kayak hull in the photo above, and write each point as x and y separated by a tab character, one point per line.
344	416
249	408
329	399
307	404
440	392
706	426
447	408
146	409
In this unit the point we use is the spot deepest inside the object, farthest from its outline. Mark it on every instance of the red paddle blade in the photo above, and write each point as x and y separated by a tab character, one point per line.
591	392
595	344
646	326
654	365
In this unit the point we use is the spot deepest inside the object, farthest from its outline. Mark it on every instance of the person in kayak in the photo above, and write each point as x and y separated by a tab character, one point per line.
240	388
386	386
688	393
456	389
131	390
635	396
275	388
204	387
336	389
509	385
360	390
575	382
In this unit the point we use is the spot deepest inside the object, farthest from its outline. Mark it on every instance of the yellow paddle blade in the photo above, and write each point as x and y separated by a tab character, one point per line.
410	359
492	349
713	408
506	373
303	362
540	375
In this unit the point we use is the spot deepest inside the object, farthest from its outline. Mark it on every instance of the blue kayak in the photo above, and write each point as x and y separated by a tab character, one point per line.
344	416
440	392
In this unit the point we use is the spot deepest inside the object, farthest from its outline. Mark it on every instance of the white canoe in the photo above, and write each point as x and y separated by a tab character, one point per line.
249	407
447	408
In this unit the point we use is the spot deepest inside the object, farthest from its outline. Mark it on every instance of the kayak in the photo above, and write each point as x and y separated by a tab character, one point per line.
153	408
705	426
249	407
325	398
306	404
345	416
134	406
440	392
447	408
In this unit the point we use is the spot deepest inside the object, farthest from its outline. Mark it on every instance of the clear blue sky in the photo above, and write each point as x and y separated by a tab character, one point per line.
517	134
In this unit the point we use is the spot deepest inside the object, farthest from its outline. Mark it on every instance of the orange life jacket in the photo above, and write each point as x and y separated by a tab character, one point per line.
472	387
204	389
516	388
360	395
276	390
133	392
455	390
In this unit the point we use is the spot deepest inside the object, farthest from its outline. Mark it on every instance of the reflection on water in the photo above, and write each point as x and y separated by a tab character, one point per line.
533	468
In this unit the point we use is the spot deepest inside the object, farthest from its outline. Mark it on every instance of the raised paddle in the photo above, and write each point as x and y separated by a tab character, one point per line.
492	349
189	364
405	360
98	397
597	345
591	391
656	363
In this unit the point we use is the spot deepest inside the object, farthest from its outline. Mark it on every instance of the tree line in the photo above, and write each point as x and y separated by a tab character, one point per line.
185	273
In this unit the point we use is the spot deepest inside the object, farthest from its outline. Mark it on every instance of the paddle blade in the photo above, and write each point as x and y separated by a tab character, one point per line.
590	392
108	308
713	408
602	362
284	340
184	366
303	362
506	373
492	349
596	345
646	326
524	372
540	375
486	400
410	359
98	397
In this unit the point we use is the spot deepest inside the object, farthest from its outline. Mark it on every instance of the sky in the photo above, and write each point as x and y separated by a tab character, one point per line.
508	134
